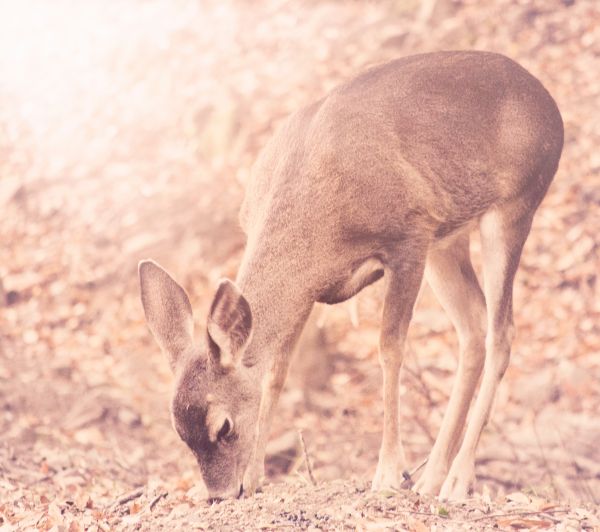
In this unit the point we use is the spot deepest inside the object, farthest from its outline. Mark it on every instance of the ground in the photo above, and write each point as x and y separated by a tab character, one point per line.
128	132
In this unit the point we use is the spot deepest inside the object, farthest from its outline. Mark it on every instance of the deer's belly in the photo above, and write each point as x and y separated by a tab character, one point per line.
350	284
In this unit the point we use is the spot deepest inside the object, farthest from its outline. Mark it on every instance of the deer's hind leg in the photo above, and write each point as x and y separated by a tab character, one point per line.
450	274
403	281
503	234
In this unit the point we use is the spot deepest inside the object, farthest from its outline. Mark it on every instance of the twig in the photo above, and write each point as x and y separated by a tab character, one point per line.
307	459
301	476
545	461
410	474
39	519
407	475
578	469
424	428
154	501
424	388
124	499
41	479
517	514
506	484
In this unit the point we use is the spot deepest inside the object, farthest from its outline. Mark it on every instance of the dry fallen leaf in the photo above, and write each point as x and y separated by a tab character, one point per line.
524	523
416	525
134	507
544	506
518	497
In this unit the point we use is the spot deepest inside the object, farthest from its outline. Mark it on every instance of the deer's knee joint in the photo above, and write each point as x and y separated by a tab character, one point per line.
499	342
390	356
498	354
472	349
473	358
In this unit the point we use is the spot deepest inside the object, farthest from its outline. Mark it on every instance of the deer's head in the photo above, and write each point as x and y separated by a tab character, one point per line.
215	402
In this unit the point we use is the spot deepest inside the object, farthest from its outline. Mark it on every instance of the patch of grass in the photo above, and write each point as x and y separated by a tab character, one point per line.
443	512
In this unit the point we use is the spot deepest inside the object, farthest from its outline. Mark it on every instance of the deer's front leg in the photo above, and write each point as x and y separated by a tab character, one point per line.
402	287
272	386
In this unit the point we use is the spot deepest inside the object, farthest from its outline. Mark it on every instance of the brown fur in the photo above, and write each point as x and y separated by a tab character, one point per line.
384	176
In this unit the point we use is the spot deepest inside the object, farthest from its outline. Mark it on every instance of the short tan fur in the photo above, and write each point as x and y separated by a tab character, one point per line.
384	177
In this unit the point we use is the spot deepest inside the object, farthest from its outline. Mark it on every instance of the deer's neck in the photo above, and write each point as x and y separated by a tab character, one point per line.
273	281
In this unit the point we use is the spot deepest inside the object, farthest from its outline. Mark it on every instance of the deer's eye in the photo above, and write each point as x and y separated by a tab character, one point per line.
226	431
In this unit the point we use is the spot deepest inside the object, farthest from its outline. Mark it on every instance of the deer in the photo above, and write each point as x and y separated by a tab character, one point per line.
385	177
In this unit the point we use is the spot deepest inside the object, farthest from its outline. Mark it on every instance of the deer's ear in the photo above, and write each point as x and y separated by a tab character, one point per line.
229	326
168	310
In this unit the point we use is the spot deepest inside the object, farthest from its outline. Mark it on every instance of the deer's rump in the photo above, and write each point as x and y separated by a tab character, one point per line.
446	133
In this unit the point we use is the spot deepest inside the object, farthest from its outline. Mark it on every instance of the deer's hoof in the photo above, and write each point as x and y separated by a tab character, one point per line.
458	484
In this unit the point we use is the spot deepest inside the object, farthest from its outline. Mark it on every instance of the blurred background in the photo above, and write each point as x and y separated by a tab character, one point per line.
127	131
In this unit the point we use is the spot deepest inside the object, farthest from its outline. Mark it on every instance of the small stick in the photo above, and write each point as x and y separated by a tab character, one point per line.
545	461
300	475
518	514
154	501
407	475
124	499
306	459
421	465
578	469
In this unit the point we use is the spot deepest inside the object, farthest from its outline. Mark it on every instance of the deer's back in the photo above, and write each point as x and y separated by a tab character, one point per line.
428	141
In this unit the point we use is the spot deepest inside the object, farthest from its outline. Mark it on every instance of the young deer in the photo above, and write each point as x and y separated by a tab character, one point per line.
385	176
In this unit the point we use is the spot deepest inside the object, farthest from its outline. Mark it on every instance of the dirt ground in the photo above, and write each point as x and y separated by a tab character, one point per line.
127	131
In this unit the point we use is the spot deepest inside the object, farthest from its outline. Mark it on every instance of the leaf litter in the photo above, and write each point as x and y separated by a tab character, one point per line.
140	145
